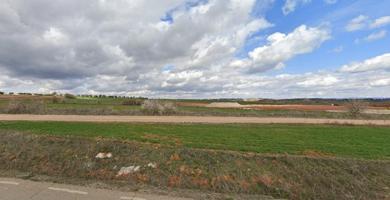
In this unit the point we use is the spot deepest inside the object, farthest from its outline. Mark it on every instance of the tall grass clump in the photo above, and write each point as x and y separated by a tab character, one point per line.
69	96
24	107
158	107
132	102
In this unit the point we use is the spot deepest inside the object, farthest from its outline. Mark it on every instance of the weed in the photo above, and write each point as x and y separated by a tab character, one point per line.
157	107
23	107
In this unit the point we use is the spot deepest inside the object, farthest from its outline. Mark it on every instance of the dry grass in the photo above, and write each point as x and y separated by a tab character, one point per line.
157	107
22	107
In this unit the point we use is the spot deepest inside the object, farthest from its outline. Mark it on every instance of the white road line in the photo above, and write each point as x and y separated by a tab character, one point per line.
9	182
131	198
68	190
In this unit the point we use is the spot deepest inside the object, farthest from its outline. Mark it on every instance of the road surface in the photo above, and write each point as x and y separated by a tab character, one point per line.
19	189
187	119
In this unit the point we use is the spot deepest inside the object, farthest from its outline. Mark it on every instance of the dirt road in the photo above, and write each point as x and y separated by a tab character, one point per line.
187	119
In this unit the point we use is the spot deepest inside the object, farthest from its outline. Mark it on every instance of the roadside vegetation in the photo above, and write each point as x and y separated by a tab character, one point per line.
136	165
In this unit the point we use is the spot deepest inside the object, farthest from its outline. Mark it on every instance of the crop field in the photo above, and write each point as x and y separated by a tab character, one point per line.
326	140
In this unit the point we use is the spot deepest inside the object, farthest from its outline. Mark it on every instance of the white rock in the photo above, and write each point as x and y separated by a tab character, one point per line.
152	165
128	170
103	155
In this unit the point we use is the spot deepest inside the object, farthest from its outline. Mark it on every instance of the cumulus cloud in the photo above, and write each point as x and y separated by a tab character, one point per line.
290	5
114	47
282	47
381	62
185	49
117	37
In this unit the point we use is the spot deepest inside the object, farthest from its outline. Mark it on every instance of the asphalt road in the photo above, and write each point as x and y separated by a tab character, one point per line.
19	189
187	119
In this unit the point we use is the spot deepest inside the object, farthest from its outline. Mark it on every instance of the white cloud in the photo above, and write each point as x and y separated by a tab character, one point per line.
363	22
376	36
380	82
357	23
282	47
290	5
115	47
380	22
381	62
319	80
55	36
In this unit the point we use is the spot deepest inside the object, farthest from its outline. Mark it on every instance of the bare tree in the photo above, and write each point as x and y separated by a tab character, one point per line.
356	107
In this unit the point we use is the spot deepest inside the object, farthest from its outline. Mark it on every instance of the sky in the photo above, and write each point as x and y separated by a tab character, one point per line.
197	48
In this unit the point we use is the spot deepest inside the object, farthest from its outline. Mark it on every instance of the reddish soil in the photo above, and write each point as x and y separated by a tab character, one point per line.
297	107
192	104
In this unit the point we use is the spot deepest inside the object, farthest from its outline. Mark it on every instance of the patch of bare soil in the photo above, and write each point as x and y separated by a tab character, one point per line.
224	105
139	166
300	107
192	104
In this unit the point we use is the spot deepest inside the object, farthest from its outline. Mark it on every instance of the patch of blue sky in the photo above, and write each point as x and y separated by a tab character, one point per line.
168	68
187	5
330	57
340	49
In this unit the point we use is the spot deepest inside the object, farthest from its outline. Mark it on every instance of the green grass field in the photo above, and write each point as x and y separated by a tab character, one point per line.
365	142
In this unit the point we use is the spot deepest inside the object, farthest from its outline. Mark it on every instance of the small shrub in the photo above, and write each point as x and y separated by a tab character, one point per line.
57	100
156	107
20	107
132	102
2	93
70	96
355	107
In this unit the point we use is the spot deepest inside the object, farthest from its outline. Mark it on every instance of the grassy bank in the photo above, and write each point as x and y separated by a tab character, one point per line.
73	158
365	142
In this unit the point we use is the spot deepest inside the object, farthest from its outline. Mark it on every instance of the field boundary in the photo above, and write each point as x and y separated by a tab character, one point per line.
188	119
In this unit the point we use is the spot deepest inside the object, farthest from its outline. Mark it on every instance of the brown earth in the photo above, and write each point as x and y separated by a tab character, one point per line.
298	107
275	107
187	119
